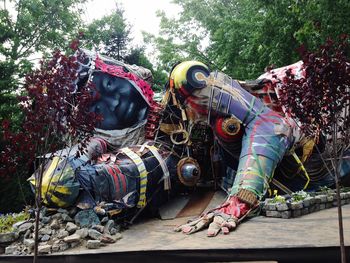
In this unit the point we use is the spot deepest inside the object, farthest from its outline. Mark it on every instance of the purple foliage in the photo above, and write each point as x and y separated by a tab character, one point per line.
320	99
54	111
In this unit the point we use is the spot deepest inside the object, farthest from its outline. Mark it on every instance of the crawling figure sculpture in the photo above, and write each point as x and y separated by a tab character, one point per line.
123	171
247	131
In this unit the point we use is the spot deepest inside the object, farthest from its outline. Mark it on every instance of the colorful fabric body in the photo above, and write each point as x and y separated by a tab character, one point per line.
267	135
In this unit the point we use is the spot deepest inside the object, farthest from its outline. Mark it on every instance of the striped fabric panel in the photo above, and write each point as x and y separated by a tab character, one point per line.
143	174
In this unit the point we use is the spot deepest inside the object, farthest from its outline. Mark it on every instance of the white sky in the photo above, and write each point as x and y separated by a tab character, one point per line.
141	14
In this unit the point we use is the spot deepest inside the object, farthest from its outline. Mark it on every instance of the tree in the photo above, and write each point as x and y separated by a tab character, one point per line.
321	103
29	27
243	37
110	34
137	56
56	114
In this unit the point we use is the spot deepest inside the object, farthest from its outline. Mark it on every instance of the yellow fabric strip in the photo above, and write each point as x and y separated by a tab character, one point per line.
48	175
302	168
143	174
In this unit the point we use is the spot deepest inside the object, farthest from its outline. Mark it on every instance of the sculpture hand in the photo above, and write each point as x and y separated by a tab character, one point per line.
225	218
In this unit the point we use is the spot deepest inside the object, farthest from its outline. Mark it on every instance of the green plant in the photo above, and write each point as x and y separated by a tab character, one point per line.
7	221
278	199
299	196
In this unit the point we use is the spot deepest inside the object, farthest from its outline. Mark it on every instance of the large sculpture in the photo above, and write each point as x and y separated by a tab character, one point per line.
119	170
206	120
247	132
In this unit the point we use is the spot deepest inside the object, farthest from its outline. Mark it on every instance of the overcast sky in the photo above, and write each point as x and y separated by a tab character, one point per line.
141	14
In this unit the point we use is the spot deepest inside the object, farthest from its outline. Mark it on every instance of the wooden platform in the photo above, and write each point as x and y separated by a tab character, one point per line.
310	238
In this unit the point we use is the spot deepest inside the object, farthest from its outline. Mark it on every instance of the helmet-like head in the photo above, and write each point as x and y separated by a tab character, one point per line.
188	76
60	187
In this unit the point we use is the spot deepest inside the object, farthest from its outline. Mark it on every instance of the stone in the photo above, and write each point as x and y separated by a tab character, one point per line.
113	231
10	250
282	206
317	207
43	211
45	238
8	237
44	249
18	224
64	246
27	234
323	198
55	224
296	213
305	211
270	207
108	239
108	227
99	228
45	231
284	214
308	201
66	218
104	220
273	213
62	211
312	208
322	206
117	236
62	233
71	227
317	199
118	228
55	248
74	244
29	243
24	227
93	244
73	211
57	216
72	238
86	218
83	232
45	219
330	198
296	205
94	234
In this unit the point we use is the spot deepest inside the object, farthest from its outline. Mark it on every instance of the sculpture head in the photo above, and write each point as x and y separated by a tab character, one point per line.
60	187
118	101
122	94
188	76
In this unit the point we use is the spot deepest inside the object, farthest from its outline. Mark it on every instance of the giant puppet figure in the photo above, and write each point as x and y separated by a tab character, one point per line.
120	168
252	137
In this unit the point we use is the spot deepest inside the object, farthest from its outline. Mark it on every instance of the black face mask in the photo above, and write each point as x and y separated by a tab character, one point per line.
119	102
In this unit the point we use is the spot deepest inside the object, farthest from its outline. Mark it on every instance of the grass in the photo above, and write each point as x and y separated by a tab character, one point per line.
7	221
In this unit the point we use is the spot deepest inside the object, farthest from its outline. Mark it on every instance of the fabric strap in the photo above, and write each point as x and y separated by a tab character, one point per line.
143	175
166	174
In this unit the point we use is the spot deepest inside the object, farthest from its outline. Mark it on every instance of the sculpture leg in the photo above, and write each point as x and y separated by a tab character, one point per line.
263	146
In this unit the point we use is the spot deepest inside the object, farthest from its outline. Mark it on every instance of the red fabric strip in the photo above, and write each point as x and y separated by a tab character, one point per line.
116	181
